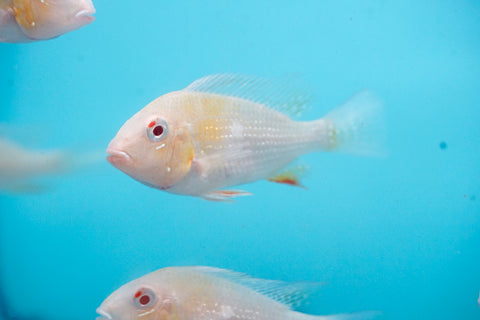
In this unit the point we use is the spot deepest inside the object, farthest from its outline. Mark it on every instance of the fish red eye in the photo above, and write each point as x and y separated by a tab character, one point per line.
157	130
144	298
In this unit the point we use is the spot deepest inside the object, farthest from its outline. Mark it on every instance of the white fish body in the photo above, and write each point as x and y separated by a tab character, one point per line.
33	20
217	134
252	146
204	293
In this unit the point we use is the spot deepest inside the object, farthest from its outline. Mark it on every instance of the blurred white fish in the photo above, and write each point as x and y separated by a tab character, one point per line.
19	167
205	293
32	20
225	130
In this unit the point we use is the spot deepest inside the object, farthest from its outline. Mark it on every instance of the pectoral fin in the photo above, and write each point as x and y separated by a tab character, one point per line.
225	195
181	158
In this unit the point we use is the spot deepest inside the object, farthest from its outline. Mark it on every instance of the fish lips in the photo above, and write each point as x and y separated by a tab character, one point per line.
118	158
87	11
103	315
85	16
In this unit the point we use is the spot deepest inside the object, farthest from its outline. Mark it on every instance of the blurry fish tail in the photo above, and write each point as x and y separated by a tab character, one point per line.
87	159
69	161
356	127
364	315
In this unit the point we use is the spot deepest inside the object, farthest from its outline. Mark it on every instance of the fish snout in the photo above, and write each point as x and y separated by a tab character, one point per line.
84	11
85	15
103	315
117	157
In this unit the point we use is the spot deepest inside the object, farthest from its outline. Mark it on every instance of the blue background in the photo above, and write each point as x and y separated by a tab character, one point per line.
400	234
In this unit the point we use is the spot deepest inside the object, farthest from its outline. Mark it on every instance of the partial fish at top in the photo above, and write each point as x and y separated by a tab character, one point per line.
33	20
226	130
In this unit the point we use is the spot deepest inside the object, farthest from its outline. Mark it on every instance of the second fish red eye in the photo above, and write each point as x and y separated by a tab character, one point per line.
144	298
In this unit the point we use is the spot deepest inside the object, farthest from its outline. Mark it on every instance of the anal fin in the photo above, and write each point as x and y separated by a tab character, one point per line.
290	176
225	195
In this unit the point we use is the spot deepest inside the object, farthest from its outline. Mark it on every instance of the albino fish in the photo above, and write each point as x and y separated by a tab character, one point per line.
19	167
205	293
32	20
225	130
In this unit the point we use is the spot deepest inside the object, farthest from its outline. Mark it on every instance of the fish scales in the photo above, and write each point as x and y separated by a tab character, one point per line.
210	298
255	134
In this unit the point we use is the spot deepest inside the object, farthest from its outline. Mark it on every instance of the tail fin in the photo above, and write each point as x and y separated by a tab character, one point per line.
63	162
85	159
357	126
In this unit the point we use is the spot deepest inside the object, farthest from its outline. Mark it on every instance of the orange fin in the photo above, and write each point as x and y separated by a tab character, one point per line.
290	176
225	195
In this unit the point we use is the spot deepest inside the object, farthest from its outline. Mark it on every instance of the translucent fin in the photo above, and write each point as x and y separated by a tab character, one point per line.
87	158
290	294
64	162
284	95
225	195
364	315
291	176
24	188
208	164
357	126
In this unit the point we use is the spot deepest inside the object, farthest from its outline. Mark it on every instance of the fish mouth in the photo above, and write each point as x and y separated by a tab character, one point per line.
86	14
103	315
118	158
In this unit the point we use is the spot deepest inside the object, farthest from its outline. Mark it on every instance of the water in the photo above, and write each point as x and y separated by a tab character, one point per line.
400	234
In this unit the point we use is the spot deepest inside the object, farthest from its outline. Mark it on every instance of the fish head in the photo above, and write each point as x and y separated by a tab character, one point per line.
154	146
139	299
45	19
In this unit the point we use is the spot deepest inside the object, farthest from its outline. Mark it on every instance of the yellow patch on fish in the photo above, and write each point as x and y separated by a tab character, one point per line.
6	4
181	159
24	14
213	126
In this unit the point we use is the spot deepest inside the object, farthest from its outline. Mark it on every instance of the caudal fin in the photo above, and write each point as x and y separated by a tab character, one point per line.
357	127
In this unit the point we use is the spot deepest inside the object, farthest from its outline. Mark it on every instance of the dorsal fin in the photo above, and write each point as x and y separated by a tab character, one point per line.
284	95
290	294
